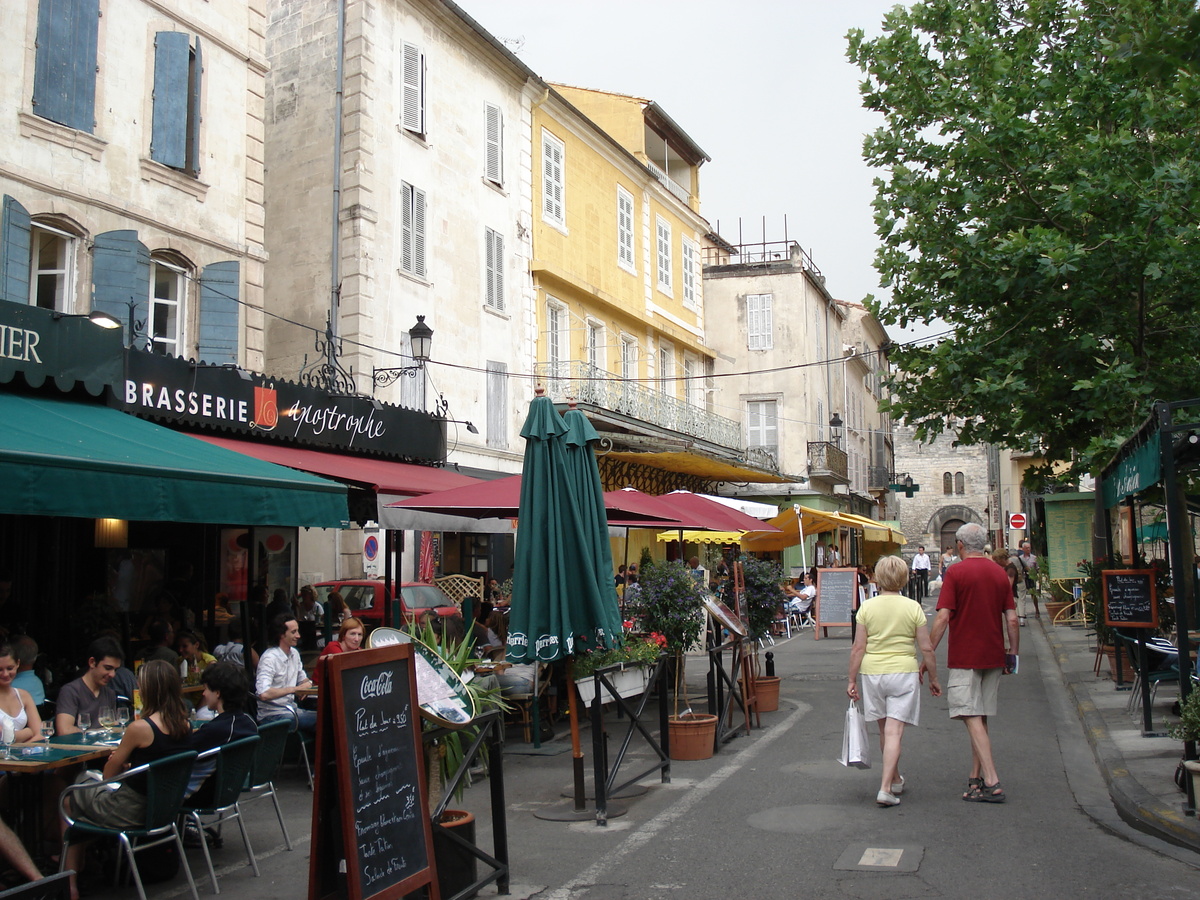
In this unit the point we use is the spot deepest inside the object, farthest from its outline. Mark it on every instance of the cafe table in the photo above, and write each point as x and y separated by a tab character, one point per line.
36	758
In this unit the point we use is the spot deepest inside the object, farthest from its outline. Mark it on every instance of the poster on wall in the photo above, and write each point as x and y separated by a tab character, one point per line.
135	578
235	546
277	559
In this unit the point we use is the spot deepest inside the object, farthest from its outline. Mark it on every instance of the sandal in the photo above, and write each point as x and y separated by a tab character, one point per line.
986	793
973	784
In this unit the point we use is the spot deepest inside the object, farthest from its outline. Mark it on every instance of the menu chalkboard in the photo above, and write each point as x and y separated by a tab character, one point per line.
371	830
1129	598
837	597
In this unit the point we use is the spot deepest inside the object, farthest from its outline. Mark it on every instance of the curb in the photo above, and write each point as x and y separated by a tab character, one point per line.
1134	804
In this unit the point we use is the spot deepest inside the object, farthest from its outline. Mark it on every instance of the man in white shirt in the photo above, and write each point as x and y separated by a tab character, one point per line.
1027	563
920	568
281	673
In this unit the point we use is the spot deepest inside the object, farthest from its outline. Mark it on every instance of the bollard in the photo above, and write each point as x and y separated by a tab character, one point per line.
770	664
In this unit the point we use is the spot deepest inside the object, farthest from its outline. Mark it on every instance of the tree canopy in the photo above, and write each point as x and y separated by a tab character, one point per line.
1039	195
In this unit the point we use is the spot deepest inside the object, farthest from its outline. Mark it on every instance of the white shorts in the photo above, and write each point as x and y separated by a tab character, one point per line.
896	695
973	692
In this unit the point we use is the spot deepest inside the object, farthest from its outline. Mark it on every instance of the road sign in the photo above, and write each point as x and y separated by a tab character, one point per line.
1016	521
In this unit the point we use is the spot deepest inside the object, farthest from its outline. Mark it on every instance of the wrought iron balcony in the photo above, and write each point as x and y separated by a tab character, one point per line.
878	478
593	385
826	460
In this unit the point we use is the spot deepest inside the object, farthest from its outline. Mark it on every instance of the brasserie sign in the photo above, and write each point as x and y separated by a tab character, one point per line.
174	390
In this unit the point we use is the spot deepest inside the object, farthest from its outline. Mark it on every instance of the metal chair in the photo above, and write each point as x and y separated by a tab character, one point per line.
1167	655
272	739
235	761
166	780
292	718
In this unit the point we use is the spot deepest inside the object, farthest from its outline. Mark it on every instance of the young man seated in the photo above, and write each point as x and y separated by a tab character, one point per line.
92	691
225	689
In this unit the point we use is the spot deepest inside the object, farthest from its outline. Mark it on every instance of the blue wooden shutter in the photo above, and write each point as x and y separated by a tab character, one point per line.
193	116
64	75
169	133
120	275
14	252
219	283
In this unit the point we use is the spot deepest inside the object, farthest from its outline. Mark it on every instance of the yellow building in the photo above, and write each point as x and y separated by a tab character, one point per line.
617	247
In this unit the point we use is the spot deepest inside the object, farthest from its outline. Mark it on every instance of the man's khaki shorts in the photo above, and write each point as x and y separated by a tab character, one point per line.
973	692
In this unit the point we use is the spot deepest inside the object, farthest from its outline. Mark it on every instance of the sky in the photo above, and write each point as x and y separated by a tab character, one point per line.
763	86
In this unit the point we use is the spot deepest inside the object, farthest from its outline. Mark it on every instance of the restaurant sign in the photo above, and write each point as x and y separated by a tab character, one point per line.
174	390
41	345
1139	468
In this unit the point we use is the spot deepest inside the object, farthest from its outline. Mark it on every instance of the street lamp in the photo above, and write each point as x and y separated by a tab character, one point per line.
420	338
835	427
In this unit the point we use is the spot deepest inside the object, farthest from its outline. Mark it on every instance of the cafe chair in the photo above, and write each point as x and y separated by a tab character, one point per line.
52	887
235	761
522	703
268	754
1162	665
166	780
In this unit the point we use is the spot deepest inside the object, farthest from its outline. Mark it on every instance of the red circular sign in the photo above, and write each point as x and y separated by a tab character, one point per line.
1016	520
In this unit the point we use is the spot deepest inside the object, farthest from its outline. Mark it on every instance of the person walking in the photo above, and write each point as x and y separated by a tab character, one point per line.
920	568
889	626
1028	562
976	605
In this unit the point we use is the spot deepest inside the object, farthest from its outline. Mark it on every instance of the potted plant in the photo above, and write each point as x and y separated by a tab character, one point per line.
762	600
669	602
634	656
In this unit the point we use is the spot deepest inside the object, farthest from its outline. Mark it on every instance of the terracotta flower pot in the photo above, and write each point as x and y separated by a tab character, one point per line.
766	687
692	736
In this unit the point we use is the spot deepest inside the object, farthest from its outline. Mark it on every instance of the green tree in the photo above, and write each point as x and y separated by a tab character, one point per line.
1040	196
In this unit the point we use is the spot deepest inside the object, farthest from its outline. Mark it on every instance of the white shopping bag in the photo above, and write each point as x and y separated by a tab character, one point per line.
856	750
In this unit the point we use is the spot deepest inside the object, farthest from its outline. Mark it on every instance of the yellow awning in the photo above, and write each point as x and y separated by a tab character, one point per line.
876	531
702	537
703	466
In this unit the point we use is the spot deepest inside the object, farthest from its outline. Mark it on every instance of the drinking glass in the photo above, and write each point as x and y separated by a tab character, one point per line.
107	719
47	729
84	721
122	716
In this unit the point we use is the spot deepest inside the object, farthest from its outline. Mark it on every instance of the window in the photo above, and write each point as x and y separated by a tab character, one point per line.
64	75
960	483
556	338
175	133
595	344
947	483
412	230
692	389
412	390
690	299
494	269
52	267
168	283
664	254
666	369
762	424
412	101
759	327
553	152
497	404
494	160
628	357
625	229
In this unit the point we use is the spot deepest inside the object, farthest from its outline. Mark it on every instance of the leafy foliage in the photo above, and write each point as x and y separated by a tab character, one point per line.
1041	190
763	580
637	652
668	602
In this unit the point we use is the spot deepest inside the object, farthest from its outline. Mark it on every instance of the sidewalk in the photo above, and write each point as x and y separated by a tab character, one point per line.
1138	770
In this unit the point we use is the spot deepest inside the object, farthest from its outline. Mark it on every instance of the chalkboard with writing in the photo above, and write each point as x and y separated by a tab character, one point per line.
1129	598
837	596
371	830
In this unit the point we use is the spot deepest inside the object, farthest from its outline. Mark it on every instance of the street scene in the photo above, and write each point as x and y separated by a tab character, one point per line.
625	450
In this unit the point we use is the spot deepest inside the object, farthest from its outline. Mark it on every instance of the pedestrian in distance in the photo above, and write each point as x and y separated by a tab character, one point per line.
920	568
890	625
976	606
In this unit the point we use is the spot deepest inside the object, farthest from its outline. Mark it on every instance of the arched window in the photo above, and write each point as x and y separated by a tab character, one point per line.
947	483
168	303
960	483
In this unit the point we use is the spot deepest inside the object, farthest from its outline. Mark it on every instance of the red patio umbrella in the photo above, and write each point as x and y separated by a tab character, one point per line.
635	502
715	516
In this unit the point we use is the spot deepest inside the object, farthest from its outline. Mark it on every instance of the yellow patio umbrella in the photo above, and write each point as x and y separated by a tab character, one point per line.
875	531
794	525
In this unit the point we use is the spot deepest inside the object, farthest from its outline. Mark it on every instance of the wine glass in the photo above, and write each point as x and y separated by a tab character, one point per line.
47	729
84	721
122	716
107	719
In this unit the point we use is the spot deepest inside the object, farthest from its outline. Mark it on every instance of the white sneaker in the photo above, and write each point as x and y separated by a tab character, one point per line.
883	798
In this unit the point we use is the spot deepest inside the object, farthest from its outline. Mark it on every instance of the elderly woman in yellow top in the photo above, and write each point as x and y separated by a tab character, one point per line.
890	625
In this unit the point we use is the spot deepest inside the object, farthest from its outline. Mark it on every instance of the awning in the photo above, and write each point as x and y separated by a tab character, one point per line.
701	537
59	458
792	524
703	466
874	530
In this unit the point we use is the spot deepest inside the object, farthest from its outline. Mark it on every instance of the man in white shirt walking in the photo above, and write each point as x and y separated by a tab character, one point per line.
920	568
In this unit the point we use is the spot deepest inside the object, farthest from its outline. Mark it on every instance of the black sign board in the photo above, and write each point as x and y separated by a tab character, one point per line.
837	597
1129	598
372	838
174	390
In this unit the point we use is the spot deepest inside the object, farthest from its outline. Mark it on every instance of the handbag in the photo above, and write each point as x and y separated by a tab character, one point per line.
856	749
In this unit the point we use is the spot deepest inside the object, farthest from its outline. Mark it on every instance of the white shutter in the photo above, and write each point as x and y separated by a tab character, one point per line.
494	274
495	147
664	254
689	274
418	217
552	179
753	321
406	227
497	404
624	228
767	339
413	79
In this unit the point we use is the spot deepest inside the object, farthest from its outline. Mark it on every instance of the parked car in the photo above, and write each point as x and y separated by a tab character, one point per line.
364	598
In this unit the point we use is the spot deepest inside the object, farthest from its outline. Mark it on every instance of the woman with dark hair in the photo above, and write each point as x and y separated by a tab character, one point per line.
225	690
162	730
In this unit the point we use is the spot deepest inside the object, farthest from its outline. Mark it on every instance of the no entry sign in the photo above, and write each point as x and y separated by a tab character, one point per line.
1016	520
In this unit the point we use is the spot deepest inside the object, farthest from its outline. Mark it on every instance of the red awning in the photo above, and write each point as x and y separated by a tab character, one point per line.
381	475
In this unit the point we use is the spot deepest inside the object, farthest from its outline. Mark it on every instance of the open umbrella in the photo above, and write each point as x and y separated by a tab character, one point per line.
715	516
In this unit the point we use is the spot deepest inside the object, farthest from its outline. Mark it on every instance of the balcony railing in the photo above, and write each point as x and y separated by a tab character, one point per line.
878	478
591	384
669	183
826	460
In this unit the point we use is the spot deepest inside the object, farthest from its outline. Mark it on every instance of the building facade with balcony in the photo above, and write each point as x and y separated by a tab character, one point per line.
619	297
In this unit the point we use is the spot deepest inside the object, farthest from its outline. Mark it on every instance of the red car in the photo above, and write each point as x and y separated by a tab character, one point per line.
364	597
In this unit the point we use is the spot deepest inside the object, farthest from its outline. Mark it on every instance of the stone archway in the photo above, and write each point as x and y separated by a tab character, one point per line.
947	520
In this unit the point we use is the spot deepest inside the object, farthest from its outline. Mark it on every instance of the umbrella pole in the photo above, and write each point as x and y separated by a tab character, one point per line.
576	749
800	528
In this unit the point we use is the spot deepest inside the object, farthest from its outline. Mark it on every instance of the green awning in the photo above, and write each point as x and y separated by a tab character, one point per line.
59	458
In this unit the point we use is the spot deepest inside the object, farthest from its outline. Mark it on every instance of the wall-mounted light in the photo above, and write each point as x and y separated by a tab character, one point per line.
112	534
420	338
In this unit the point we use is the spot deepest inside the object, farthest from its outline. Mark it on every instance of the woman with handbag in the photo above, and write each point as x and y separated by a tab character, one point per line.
889	626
